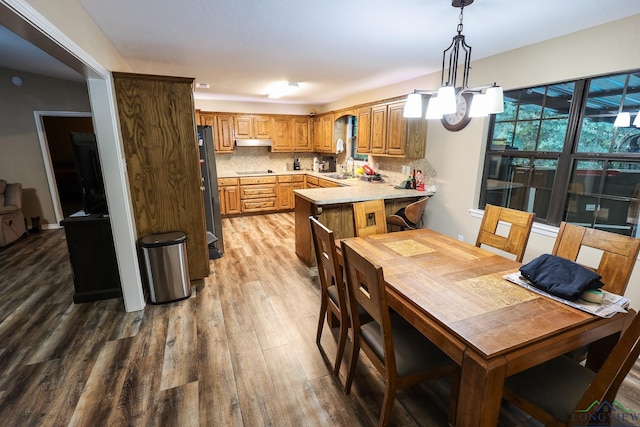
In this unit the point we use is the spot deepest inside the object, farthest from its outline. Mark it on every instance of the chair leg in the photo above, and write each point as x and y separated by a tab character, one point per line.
342	340
323	313
353	362
387	403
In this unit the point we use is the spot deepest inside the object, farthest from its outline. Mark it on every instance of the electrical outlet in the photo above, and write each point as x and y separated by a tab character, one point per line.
461	237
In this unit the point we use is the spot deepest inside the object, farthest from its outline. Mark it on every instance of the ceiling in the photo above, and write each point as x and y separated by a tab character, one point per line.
334	48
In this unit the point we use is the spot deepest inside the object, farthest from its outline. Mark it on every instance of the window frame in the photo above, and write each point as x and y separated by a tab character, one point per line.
568	157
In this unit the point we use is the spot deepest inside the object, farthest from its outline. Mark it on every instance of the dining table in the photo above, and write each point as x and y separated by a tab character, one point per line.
456	295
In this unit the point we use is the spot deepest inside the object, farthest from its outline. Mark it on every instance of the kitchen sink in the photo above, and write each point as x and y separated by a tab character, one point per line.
336	176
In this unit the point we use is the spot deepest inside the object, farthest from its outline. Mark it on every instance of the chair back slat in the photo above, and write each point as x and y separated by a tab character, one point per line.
369	218
619	253
329	270
520	229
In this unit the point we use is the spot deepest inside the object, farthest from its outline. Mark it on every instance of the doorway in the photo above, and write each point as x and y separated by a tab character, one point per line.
55	143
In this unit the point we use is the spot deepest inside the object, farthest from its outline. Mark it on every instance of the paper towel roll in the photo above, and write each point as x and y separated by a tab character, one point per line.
339	146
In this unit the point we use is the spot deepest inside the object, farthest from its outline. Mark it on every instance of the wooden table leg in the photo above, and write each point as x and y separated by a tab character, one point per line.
481	385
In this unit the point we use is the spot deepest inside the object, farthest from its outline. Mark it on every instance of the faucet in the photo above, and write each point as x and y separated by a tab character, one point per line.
353	165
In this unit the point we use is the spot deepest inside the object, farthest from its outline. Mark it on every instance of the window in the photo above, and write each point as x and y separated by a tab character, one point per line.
555	151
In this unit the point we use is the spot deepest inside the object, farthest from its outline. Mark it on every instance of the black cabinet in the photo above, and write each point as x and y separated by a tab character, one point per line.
93	258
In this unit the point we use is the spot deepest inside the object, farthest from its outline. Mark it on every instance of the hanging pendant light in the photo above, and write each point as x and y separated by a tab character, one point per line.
493	101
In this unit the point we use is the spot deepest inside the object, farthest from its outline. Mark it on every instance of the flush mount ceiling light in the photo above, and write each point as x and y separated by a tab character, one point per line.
202	85
452	97
280	89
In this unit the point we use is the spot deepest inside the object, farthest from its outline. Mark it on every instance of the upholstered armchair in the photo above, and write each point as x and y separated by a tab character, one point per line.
12	225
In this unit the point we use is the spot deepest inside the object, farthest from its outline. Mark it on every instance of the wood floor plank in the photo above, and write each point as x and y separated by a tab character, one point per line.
256	394
180	363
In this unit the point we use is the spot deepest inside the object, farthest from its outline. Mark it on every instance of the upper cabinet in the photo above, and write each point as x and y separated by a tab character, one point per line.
390	133
253	127
323	134
302	134
223	129
282	134
363	140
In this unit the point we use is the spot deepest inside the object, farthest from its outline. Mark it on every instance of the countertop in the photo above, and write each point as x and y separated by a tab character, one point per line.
351	190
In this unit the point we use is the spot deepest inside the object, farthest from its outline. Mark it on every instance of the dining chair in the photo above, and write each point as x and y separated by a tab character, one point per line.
401	354
516	241
369	217
619	253
333	304
409	217
562	392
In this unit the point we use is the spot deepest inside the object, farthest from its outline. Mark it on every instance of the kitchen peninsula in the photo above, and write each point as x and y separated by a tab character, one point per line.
333	207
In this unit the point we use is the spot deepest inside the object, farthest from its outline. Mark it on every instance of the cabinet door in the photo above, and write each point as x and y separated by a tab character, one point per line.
224	133
223	205
282	135
327	134
232	200
242	127
363	141
262	127
285	196
317	134
207	119
396	126
378	129
301	137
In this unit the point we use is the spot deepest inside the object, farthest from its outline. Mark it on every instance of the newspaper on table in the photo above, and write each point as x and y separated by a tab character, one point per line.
610	305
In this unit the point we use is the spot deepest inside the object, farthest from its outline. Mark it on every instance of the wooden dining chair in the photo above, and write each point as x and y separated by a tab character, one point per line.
333	303
619	253
516	240
409	217
558	392
369	218
401	354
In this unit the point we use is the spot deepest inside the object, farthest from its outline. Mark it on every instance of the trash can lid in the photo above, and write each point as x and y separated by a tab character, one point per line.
163	239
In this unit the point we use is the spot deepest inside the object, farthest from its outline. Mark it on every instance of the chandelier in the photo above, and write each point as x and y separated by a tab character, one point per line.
486	99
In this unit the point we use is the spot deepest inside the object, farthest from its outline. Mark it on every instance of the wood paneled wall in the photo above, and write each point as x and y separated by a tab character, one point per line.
158	131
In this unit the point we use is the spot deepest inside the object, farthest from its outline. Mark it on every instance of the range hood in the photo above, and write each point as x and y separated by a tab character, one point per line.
253	143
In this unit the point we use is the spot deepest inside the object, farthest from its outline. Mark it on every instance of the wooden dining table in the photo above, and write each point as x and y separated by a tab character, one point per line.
456	295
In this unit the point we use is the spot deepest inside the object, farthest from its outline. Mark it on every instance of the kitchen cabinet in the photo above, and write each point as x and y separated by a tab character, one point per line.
286	185
253	126
301	134
394	135
258	194
282	134
325	183
363	140
223	129
157	124
323	134
311	181
206	119
229	195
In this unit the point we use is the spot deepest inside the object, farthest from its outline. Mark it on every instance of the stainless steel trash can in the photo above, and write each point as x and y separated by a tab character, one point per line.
165	262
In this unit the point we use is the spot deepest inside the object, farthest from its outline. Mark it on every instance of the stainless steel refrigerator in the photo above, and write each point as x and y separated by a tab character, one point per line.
210	192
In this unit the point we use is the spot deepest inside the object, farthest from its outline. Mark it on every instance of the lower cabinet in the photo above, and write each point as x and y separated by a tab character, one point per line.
258	194
229	195
264	194
286	185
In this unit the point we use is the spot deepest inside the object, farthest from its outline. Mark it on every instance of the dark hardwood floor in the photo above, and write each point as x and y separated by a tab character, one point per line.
240	352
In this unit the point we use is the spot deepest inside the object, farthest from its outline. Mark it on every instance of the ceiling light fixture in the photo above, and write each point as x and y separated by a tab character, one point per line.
281	89
487	99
